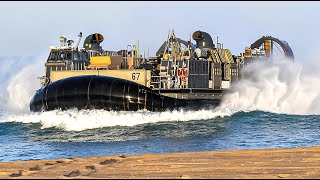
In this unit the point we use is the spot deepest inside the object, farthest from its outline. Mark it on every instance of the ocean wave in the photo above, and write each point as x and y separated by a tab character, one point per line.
78	120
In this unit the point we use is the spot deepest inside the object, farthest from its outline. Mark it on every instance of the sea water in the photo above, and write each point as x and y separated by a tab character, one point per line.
275	105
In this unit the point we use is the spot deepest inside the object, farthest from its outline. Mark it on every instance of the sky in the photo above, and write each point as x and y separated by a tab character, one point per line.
29	28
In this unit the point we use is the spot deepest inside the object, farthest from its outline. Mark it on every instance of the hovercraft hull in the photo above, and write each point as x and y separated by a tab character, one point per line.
99	92
104	92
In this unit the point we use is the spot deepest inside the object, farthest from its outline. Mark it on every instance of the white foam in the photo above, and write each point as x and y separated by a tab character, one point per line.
279	87
74	120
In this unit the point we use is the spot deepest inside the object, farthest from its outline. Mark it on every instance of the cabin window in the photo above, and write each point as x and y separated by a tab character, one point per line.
84	56
75	56
61	57
68	55
52	56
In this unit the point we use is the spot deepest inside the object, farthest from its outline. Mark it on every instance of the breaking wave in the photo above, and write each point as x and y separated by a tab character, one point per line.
74	120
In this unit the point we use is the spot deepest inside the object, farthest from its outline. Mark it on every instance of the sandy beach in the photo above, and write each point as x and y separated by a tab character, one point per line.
265	163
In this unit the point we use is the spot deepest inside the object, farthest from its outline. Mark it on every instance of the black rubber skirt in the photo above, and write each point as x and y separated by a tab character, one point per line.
100	92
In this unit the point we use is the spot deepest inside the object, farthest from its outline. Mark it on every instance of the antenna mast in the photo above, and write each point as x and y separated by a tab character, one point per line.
80	36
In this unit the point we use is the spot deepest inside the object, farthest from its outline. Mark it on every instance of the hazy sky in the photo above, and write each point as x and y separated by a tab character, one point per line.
29	28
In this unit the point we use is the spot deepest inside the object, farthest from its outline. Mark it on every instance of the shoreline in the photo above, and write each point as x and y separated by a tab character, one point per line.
302	162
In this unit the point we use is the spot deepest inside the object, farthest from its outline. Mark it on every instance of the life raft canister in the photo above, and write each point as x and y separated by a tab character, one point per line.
183	73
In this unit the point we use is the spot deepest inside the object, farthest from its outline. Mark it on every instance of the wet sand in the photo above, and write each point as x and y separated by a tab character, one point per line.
265	163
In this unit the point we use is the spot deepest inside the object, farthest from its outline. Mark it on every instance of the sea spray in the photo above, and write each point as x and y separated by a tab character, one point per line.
18	82
275	86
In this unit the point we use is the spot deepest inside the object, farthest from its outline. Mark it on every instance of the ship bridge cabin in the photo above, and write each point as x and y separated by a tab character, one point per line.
67	61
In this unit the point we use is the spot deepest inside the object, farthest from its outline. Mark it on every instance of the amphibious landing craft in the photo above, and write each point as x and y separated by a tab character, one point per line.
182	74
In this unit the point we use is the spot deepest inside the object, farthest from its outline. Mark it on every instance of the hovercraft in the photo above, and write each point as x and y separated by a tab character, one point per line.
181	75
